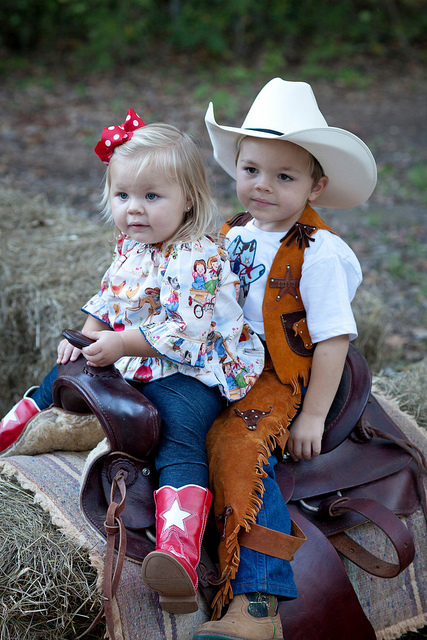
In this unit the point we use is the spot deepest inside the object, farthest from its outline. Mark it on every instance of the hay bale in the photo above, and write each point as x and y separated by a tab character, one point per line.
48	588
407	388
373	326
51	263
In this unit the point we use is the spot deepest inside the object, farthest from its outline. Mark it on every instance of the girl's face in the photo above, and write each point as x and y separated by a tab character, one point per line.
145	207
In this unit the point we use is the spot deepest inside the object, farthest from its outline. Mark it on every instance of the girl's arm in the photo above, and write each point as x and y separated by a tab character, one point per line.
112	345
307	428
67	352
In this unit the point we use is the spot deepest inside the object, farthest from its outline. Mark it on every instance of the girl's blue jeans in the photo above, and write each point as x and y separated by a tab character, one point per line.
188	408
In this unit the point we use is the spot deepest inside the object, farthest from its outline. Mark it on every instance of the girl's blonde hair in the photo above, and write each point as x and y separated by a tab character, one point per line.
166	148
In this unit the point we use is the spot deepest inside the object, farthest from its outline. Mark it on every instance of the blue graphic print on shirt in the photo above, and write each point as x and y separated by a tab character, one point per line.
242	257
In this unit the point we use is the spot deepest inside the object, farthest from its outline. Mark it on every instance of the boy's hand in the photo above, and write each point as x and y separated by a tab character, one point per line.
308	427
305	436
67	352
107	349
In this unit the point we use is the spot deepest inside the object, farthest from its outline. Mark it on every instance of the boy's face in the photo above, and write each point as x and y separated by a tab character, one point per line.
274	183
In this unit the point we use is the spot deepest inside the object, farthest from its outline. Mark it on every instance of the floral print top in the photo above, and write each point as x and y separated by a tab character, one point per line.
184	301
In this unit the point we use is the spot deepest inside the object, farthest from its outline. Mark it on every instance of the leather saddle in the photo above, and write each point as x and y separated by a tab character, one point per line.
367	471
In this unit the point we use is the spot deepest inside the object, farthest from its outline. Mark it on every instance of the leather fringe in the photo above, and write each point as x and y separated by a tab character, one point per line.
265	449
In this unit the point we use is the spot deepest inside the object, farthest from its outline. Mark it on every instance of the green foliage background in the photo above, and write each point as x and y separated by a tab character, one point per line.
103	33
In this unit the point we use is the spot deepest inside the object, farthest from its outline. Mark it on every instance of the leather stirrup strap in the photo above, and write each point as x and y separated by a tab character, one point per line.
273	543
113	525
387	521
327	607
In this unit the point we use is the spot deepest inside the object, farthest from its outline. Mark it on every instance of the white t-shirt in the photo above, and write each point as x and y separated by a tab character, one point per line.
330	276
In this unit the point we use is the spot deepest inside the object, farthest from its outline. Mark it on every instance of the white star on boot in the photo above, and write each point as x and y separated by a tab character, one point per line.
175	516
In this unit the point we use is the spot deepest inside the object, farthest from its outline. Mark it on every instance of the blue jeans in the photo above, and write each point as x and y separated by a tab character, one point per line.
43	395
257	571
187	408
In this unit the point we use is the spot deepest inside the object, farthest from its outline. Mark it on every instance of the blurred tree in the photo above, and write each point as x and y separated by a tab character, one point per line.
114	31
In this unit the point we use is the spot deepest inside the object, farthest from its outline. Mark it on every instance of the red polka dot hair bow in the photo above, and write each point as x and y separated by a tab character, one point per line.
116	135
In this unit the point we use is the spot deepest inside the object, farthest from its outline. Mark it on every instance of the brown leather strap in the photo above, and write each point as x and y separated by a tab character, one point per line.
387	521
113	526
327	607
273	543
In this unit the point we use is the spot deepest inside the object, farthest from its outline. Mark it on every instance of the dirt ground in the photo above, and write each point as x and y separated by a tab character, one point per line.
50	124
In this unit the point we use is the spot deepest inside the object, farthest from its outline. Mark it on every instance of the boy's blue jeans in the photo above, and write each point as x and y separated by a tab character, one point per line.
188	408
260	572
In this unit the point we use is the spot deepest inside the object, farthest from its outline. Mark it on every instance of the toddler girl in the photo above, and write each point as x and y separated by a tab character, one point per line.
150	321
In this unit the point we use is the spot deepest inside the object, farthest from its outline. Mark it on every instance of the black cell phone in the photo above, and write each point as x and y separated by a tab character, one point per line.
77	339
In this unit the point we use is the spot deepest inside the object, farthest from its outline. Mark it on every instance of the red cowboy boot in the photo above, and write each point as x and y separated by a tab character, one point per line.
14	422
170	570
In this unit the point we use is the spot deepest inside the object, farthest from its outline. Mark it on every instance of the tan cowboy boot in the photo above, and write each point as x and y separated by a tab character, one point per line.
250	616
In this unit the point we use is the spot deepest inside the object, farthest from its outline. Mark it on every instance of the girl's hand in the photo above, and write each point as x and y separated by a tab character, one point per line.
305	436
67	352
107	349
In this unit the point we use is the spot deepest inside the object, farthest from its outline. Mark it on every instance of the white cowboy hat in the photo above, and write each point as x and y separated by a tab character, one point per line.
286	110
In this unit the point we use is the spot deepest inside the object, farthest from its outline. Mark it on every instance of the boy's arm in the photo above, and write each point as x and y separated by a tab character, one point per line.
307	428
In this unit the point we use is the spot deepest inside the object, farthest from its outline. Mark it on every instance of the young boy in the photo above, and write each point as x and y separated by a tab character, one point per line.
298	279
